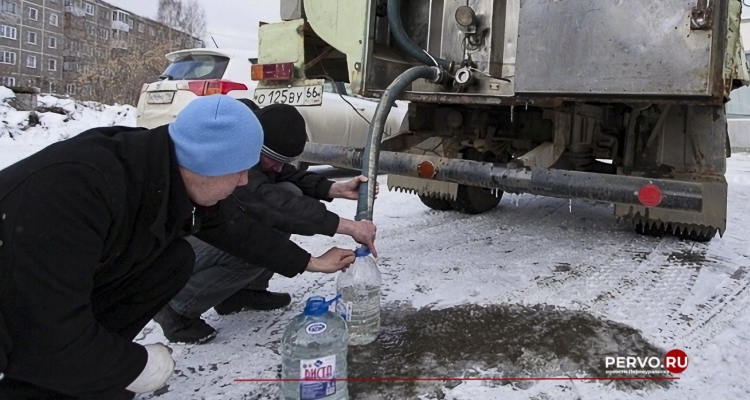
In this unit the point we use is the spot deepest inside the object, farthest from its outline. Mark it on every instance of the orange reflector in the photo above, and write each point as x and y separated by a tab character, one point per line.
256	72
650	195
272	72
426	170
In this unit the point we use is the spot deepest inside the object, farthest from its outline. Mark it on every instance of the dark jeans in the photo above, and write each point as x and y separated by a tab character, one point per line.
124	309
218	275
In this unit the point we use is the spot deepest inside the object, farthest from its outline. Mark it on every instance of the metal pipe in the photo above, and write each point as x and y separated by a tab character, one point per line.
369	164
402	39
677	195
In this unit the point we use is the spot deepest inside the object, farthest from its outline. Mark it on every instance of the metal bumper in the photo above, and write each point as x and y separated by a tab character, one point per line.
676	195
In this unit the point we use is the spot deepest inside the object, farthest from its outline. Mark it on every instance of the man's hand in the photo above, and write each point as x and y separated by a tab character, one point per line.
363	232
333	260
350	189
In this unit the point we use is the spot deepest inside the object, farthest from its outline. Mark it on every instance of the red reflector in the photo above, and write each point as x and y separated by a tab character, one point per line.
214	86
272	72
650	195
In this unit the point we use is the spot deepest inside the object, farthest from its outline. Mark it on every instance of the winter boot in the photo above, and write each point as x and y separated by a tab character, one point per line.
245	299
180	329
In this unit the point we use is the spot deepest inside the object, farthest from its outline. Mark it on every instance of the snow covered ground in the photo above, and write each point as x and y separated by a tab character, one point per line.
18	139
563	283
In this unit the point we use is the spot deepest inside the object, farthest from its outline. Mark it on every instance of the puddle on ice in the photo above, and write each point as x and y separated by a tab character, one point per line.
511	341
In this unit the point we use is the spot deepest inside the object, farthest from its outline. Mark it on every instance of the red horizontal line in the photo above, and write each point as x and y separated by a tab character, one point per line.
453	379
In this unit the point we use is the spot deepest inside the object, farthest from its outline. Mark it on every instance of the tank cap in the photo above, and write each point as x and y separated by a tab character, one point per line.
362	251
317	305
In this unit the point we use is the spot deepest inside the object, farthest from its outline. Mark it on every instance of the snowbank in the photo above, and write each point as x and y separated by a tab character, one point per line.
23	133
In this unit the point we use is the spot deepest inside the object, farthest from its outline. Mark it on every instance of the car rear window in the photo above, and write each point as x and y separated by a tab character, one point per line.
197	66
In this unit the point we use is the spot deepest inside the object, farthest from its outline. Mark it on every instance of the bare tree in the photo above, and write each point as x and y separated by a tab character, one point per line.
185	15
118	77
193	19
170	12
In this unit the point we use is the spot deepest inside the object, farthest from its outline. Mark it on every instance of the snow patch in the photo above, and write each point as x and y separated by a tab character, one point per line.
23	133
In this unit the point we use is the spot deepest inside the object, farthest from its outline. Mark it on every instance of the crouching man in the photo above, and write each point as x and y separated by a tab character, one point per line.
280	196
91	247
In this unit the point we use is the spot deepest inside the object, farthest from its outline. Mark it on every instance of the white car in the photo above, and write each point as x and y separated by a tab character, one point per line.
339	120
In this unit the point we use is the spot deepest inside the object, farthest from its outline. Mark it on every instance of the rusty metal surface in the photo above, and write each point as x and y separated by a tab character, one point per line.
614	47
685	196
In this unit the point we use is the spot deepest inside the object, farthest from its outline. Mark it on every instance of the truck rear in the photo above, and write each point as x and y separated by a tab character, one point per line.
619	101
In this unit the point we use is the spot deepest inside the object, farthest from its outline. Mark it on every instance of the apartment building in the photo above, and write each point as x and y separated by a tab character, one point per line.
96	31
31	44
54	44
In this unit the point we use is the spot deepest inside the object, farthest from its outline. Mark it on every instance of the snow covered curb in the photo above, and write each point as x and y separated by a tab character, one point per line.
55	119
59	119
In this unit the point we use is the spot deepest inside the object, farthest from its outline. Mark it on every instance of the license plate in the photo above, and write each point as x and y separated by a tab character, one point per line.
160	98
294	96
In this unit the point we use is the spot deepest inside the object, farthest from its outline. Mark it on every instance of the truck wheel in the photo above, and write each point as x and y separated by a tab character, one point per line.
473	199
436	203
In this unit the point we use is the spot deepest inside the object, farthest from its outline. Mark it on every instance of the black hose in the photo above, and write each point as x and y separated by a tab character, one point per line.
366	199
402	39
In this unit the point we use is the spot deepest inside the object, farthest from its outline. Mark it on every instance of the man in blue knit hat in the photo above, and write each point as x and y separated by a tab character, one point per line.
91	247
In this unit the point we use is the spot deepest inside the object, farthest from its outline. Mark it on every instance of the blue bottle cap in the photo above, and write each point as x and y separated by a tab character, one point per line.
362	251
317	305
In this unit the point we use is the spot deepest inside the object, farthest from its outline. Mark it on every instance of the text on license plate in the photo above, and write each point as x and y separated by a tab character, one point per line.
294	96
160	97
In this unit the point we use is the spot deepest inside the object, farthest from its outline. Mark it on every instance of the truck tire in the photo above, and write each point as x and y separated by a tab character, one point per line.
473	199
436	203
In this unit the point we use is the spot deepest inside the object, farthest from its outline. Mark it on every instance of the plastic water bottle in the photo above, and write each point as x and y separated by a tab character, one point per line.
314	347
359	288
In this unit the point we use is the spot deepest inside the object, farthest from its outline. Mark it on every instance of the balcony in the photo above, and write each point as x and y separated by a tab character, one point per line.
119	44
71	53
75	10
121	26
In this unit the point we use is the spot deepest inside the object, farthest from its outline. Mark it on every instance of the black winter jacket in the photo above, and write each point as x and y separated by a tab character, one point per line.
79	214
283	210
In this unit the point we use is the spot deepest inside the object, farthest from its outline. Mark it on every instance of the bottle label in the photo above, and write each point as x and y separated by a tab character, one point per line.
344	309
316	328
323	371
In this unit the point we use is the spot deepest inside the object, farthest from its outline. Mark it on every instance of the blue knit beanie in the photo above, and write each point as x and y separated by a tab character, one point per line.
216	135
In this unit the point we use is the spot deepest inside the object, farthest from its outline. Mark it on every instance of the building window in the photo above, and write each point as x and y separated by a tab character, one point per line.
9	57
141	27
53	65
53	19
33	14
104	33
9	81
52	43
91	30
31	37
70	88
86	69
89	9
9	7
8	32
151	31
31	61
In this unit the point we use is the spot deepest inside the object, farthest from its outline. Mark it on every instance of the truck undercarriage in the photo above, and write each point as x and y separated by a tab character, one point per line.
620	102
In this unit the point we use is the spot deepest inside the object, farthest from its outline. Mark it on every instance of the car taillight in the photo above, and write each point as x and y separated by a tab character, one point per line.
209	87
272	72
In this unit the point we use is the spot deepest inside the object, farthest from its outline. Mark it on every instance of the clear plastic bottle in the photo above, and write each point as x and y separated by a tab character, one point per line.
359	288
314	346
